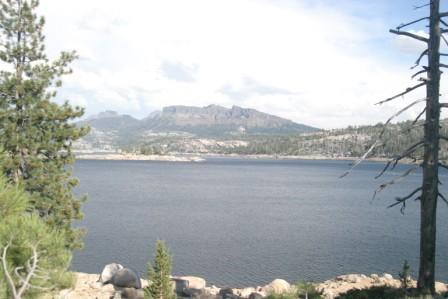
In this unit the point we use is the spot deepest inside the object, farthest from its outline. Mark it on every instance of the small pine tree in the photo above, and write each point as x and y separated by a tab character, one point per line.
405	275
37	133
159	275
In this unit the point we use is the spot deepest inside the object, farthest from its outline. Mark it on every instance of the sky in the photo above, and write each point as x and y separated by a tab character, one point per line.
323	63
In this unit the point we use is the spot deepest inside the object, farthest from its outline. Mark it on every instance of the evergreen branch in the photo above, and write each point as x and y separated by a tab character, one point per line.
409	34
408	90
410	23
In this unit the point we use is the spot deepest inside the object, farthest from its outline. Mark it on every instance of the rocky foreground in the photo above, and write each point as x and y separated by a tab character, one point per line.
87	287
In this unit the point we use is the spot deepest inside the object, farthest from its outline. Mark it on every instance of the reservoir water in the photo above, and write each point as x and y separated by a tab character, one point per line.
244	222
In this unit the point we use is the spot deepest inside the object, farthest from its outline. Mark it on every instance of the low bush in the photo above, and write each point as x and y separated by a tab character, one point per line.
301	290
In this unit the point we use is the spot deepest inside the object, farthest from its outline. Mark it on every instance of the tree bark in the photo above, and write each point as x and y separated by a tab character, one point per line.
426	278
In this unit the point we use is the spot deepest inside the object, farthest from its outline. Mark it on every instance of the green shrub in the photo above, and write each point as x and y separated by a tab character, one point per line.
307	290
28	247
405	275
300	290
382	292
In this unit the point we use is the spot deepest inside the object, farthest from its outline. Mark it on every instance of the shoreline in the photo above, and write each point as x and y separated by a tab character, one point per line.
138	157
87	287
201	157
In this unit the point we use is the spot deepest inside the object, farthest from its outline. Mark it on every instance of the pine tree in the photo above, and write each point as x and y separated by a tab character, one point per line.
159	275
35	132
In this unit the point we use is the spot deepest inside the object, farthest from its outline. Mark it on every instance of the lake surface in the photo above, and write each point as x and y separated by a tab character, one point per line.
241	222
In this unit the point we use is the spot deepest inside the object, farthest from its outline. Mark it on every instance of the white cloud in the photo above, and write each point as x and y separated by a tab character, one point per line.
320	59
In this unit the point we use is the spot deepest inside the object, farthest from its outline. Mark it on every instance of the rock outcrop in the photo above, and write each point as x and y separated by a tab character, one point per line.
344	283
88	287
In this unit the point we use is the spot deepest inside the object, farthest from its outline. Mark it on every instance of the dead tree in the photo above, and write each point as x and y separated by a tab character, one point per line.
428	193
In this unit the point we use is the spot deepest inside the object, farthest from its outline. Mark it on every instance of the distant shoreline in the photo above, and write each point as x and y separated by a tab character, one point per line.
197	157
137	157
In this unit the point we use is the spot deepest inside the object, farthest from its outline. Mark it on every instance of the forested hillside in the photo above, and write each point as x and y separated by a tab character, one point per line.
348	142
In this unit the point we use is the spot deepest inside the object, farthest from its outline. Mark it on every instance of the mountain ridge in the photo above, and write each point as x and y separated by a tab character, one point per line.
212	121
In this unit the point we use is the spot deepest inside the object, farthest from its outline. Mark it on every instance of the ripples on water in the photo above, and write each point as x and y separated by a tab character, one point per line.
242	222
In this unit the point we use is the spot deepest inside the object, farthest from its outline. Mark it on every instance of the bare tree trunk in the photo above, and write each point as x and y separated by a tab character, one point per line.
430	193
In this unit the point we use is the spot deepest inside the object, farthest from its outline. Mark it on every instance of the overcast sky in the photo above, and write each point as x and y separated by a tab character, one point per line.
321	63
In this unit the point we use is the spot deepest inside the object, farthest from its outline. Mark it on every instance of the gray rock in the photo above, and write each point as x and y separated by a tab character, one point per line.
255	295
180	285
126	278
194	293
131	293
109	271
245	293
225	292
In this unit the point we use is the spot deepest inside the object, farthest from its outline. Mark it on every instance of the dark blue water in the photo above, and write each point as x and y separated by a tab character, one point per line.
242	222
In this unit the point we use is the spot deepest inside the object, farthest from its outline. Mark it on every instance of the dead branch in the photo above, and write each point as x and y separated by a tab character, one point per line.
443	54
410	23
443	137
361	159
417	62
421	6
402	200
398	113
418	116
443	105
409	34
443	198
443	22
408	90
418	73
443	165
394	161
377	141
31	265
444	39
443	14
394	180
9	279
443	65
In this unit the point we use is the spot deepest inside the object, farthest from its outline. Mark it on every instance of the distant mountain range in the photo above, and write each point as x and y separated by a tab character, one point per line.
110	130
